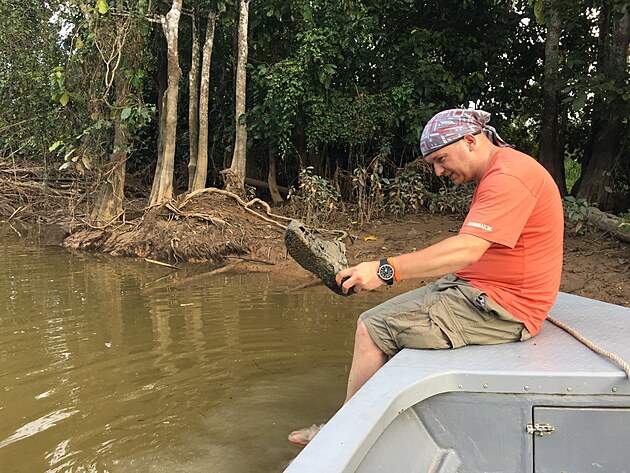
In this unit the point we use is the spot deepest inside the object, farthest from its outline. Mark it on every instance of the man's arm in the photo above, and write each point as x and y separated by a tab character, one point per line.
447	256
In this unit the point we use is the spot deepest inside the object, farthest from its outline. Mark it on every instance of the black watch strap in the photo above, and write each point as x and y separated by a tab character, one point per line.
386	272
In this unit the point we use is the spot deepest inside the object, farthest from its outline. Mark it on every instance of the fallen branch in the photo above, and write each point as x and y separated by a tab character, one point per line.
609	223
160	263
251	260
14	212
192	279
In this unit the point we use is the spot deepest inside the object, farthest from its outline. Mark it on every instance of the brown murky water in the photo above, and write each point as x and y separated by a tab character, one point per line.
102	368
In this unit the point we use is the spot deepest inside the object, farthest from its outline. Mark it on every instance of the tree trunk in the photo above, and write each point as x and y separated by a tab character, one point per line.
239	157
599	172
201	173
162	78
162	190
551	155
271	176
193	100
110	201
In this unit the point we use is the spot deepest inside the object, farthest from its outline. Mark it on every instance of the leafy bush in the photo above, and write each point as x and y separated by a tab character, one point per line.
406	193
452	199
315	199
575	211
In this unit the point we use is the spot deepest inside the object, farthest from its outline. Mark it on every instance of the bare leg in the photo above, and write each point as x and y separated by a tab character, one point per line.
367	359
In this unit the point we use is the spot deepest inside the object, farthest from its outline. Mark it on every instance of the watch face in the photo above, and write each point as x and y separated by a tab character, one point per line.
386	272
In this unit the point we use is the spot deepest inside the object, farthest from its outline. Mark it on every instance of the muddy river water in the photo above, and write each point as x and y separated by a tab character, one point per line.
112	365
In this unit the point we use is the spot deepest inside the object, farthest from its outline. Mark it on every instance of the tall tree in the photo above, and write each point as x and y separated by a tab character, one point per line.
162	190
200	170
109	204
239	157
551	154
121	35
193	99
610	124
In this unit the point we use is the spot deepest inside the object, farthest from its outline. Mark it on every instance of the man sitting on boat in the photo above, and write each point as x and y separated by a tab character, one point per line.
497	278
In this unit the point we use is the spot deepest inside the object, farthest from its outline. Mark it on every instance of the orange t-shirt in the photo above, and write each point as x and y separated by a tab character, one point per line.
517	207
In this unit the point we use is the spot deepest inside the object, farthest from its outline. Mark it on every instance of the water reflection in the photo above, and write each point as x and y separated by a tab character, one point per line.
118	365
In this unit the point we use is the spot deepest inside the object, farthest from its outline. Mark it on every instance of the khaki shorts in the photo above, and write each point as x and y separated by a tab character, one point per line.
448	313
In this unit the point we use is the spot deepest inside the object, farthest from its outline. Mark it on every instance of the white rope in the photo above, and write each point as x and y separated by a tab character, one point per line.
611	356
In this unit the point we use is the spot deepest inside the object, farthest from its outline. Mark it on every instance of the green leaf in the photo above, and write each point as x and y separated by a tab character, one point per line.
539	13
102	6
64	99
126	113
579	102
79	43
65	165
55	145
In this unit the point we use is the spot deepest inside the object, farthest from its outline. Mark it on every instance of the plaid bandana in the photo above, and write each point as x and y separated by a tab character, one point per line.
449	126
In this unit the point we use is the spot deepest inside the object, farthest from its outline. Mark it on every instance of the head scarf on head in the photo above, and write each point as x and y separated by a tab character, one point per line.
449	126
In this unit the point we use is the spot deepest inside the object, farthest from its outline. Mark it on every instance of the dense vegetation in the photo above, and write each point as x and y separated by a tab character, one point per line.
335	91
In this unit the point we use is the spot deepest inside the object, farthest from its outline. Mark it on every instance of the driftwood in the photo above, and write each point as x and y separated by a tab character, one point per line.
265	185
609	223
190	279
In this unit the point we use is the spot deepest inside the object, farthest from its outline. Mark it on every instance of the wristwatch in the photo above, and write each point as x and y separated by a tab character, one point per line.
386	272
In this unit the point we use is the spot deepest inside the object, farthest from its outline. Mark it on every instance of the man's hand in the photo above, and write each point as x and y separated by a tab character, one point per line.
362	277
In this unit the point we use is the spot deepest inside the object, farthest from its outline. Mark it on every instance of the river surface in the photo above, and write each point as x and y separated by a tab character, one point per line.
117	365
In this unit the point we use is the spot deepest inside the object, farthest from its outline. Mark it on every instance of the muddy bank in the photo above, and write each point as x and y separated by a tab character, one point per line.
215	229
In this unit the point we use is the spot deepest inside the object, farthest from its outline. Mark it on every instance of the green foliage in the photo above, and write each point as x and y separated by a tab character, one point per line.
101	86
572	171
337	81
31	44
316	197
575	211
452	199
406	193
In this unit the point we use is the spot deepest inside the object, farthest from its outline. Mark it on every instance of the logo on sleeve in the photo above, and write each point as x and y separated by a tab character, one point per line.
483	226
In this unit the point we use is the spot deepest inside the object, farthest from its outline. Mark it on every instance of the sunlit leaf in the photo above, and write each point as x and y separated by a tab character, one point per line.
55	145
64	99
102	6
126	113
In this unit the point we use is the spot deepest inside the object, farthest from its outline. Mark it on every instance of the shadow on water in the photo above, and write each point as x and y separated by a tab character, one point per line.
99	371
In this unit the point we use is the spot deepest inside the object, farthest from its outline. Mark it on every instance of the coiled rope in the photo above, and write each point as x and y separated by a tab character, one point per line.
611	356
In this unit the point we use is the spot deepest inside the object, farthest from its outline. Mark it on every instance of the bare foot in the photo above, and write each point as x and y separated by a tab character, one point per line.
304	436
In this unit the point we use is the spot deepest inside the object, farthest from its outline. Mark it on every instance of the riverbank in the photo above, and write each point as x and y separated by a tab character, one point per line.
215	229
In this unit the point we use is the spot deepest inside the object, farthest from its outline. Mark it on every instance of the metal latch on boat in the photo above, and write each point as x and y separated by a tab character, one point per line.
540	429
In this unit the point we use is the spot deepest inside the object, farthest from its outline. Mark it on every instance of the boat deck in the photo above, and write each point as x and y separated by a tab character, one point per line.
552	363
